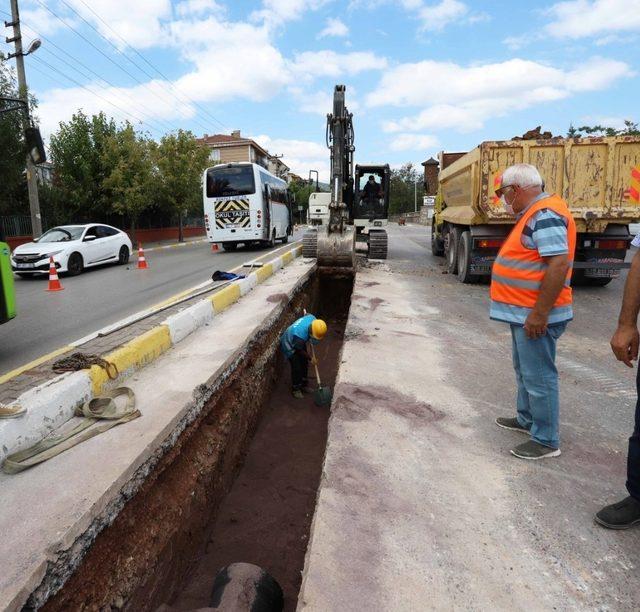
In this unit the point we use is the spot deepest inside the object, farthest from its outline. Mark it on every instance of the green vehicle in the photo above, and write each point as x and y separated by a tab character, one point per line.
7	292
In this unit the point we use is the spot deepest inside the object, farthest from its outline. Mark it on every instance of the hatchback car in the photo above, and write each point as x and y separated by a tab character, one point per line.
73	248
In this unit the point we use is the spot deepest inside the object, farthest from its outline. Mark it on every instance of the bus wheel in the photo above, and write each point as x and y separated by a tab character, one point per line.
285	239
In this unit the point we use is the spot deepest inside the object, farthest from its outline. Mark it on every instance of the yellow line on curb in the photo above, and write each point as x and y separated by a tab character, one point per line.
34	364
219	304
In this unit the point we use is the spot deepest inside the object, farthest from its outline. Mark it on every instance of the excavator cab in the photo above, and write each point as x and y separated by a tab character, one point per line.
372	195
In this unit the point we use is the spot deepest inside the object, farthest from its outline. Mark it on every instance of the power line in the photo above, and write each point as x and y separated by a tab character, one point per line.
126	112
144	59
109	43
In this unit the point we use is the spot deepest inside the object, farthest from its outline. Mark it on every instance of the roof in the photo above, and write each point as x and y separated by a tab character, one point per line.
226	140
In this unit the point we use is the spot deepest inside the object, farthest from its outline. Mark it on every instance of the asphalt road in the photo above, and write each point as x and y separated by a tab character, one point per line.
102	296
540	512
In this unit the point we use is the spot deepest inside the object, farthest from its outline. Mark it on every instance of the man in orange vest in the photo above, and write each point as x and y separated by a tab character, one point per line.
625	343
530	290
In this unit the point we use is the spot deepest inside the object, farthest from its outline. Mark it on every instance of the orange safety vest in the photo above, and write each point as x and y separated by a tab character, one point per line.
517	272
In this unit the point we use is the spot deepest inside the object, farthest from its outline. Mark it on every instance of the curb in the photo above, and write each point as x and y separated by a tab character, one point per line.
53	403
175	246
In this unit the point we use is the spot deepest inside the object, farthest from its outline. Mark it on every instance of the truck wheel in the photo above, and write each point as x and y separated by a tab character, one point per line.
437	247
452	240
464	259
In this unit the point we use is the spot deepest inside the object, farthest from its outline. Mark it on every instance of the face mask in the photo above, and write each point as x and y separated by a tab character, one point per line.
507	207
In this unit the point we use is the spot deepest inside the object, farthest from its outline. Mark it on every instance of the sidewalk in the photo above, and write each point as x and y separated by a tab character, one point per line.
421	506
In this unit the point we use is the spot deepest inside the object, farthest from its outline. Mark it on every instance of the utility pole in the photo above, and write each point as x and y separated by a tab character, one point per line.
32	178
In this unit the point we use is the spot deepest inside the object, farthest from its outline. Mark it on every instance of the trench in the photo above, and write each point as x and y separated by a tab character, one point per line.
239	485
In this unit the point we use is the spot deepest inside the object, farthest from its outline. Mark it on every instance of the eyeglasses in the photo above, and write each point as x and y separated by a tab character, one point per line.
500	191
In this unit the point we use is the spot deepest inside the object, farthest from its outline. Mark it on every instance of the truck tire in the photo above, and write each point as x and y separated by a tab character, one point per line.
464	259
452	240
437	247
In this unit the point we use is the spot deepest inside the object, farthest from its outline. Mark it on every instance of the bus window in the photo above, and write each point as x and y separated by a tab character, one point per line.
232	181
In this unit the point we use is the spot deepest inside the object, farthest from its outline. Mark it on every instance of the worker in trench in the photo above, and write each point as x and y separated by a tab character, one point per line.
625	343
531	291
294	341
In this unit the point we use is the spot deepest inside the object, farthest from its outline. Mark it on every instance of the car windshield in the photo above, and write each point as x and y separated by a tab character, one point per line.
62	234
232	181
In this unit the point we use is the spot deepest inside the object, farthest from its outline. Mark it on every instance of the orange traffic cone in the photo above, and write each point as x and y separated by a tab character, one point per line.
54	281
142	262
215	247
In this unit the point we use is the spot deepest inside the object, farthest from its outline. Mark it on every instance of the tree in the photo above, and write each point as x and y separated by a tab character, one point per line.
406	187
301	191
180	162
630	129
77	152
13	185
129	157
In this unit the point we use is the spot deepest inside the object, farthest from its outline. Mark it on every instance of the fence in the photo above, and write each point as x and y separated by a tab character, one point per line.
17	225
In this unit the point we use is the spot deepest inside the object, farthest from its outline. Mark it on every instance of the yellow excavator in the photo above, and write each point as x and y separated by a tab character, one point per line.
357	211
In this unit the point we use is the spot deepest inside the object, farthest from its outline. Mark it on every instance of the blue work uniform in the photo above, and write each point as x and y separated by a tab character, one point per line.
297	335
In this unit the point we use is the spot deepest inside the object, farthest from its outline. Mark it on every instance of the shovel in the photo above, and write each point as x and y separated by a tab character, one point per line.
322	395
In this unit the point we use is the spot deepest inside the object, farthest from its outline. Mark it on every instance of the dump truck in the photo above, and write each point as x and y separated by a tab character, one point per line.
599	178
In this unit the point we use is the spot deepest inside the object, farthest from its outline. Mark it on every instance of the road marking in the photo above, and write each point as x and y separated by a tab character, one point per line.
143	313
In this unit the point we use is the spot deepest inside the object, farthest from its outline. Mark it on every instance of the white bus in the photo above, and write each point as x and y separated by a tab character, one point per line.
245	204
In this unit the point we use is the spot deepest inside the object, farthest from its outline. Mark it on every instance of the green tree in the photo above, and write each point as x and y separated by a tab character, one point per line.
130	181
179	163
301	191
77	151
630	129
13	185
406	187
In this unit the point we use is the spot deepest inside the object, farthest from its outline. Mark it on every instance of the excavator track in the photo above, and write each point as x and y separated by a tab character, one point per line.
378	243
310	243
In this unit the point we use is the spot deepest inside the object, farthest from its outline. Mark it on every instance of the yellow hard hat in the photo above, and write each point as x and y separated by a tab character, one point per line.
318	329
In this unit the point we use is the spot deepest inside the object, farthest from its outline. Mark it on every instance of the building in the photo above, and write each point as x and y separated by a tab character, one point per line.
45	173
431	167
230	148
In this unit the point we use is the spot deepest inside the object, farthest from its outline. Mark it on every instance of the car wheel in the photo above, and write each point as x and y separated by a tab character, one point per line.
75	265
123	255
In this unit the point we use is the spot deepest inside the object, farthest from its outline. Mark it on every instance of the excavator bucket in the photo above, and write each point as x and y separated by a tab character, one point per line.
337	250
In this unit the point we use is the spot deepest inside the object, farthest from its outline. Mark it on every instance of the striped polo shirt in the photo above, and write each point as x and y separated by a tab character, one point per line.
546	232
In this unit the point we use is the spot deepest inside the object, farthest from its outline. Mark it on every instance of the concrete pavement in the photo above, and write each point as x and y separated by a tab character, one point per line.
421	506
102	296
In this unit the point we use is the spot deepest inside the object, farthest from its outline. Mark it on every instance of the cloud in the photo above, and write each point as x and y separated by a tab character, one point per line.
300	155
584	18
40	20
334	27
320	102
193	8
463	98
413	142
435	17
275	13
313	64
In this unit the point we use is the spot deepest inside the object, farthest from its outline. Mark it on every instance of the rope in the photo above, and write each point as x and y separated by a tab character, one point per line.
103	408
82	361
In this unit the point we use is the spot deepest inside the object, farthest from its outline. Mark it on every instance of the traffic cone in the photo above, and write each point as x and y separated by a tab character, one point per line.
214	247
54	281
142	262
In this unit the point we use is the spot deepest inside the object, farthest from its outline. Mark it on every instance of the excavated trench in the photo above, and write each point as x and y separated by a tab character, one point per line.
239	485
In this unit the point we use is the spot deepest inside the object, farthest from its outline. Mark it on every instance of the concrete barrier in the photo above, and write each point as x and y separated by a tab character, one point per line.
53	403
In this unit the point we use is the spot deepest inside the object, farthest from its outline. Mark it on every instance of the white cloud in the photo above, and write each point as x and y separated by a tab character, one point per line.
275	13
300	155
413	142
192	8
320	102
462	98
313	64
334	27
435	17
582	18
40	20
138	22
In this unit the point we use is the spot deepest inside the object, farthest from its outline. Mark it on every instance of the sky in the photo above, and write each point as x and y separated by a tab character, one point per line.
422	76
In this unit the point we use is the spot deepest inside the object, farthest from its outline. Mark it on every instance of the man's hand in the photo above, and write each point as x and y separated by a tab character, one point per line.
625	344
536	325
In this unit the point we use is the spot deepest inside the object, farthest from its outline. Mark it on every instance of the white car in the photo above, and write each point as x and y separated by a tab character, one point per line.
73	248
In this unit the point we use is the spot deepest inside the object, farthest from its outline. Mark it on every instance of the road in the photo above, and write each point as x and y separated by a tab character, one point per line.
102	296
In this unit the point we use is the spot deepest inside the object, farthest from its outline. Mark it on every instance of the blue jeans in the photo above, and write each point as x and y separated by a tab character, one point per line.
534	361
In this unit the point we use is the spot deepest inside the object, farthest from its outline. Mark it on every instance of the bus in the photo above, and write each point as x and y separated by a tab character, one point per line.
245	204
7	292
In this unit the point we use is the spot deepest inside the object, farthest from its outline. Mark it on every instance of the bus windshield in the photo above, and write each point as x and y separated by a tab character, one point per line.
230	181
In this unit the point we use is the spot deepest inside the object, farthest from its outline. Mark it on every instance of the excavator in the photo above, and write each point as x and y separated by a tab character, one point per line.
357	211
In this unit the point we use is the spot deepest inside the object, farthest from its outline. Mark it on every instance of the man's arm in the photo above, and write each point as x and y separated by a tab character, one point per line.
625	339
552	283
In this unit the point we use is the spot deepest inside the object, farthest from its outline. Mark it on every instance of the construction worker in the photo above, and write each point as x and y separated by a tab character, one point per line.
626	512
294	346
530	290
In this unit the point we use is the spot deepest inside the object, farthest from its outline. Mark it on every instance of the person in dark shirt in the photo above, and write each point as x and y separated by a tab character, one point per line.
372	190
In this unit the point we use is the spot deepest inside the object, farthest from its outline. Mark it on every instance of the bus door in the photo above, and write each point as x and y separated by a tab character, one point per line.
268	210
